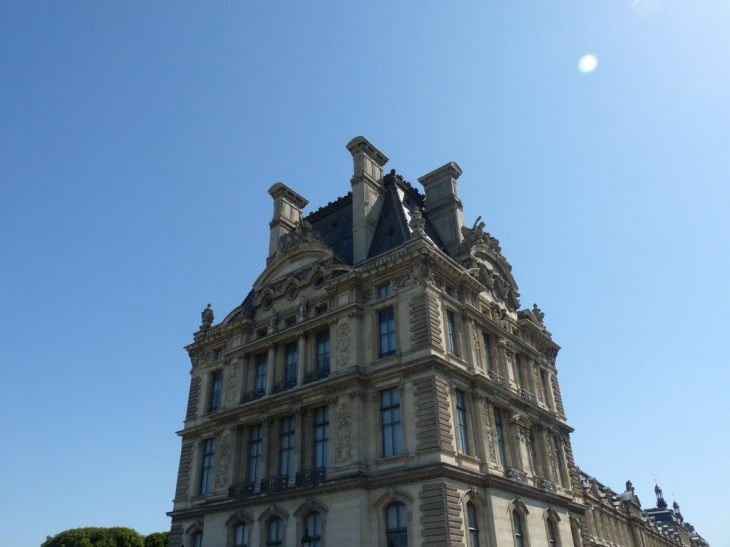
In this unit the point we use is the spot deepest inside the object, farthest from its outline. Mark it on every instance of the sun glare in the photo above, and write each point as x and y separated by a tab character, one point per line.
588	63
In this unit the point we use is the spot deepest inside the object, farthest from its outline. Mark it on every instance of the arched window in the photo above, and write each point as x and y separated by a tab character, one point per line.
396	525
519	537
313	524
471	514
275	536
240	535
197	539
551	533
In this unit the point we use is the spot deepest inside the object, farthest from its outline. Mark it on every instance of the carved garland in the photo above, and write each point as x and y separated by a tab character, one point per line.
344	433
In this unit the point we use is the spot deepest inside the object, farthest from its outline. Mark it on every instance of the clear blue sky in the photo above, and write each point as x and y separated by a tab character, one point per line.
137	142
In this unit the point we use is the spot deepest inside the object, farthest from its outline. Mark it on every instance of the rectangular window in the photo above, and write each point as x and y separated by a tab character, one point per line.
390	417
386	322
544	382
291	361
451	332
500	436
487	351
206	468
215	390
463	438
218	354
287	446
254	454
323	349
321	437
261	366
383	290
518	370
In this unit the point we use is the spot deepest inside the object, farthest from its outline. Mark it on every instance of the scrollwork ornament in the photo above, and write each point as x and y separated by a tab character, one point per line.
232	383
344	433
223	460
344	332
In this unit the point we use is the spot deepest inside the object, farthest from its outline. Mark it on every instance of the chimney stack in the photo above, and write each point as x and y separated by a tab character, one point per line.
367	194
288	207
443	206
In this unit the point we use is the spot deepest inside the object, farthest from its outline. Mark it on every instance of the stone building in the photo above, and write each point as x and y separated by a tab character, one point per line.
380	386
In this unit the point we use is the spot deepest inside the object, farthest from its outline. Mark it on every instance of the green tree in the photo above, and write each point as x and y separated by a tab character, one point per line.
96	537
157	539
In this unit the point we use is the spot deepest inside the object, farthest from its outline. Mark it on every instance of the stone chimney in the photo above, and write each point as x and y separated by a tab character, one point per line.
288	206
443	206
367	194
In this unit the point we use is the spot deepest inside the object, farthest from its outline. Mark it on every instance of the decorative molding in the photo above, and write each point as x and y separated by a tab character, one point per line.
224	457
344	332
232	384
344	433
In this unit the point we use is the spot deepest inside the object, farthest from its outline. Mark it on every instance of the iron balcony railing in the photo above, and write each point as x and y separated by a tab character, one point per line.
316	375
310	476
273	484
241	490
283	386
496	378
253	395
527	395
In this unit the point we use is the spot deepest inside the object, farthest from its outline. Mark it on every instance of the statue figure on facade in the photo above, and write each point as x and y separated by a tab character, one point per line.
208	316
417	223
273	319
539	316
303	307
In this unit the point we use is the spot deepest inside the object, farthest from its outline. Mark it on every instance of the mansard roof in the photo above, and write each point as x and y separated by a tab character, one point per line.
401	199
333	222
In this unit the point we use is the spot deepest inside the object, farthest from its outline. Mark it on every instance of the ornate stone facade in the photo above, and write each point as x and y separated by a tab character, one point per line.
380	386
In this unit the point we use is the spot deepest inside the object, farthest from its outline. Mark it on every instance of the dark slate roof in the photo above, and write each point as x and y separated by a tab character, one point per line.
247	304
333	222
392	229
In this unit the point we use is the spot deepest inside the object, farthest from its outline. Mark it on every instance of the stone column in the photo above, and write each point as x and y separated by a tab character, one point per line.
466	349
298	442
507	355
270	368
265	449
301	357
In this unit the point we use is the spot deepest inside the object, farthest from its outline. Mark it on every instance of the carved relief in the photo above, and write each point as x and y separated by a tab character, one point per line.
487	413
196	358
344	433
368	295
221	477
477	346
232	383
344	332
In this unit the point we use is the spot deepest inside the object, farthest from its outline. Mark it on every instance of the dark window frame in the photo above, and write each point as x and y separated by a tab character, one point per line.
386	332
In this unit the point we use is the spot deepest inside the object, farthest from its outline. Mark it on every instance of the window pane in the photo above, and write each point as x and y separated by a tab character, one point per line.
323	350
241	536
291	361
261	371
387	332
390	422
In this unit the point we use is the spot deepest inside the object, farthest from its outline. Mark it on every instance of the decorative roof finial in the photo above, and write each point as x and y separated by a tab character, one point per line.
660	503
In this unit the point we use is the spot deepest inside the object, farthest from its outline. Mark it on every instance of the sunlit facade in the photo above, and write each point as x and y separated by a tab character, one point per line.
381	386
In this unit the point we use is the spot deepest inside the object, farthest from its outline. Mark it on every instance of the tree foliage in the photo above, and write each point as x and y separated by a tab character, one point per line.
157	539
97	537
